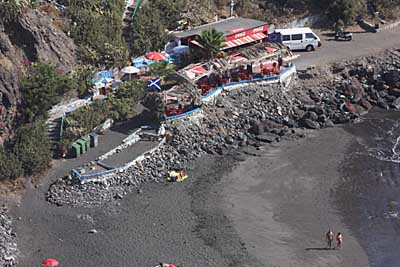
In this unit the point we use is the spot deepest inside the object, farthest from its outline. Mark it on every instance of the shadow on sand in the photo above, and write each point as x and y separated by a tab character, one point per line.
320	249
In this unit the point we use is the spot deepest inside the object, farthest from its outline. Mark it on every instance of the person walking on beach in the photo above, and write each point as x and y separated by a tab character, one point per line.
329	238
339	241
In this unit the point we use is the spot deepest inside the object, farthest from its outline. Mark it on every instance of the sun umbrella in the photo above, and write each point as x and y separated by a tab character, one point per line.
130	70
50	262
198	70
155	56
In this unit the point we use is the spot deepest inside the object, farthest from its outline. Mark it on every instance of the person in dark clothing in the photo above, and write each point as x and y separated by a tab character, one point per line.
329	238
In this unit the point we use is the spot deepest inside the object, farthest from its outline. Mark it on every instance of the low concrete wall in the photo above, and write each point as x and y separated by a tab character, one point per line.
128	141
103	176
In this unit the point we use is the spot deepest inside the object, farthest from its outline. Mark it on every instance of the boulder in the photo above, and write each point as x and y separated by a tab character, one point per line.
382	104
266	138
394	92
310	124
396	103
392	78
310	115
366	104
350	107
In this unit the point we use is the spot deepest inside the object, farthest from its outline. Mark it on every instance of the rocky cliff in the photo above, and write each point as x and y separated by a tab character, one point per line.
34	37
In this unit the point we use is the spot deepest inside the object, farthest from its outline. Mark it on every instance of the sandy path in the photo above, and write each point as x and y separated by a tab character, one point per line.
280	203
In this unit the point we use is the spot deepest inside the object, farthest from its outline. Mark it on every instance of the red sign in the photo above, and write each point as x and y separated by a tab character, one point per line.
242	34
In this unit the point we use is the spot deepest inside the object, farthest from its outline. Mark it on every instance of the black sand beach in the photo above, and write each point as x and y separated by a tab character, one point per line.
269	209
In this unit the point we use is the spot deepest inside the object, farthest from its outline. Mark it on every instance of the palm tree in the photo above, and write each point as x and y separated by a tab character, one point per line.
212	41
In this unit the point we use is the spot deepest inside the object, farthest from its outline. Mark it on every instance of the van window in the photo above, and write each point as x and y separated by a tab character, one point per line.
310	36
286	38
296	37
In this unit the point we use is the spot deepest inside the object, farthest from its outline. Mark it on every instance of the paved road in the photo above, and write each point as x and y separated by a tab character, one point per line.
363	44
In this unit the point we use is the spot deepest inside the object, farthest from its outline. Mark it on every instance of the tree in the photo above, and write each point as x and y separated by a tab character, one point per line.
161	69
32	148
345	10
43	87
212	41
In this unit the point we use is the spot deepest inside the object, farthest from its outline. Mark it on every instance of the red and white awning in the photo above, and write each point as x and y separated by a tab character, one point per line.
244	40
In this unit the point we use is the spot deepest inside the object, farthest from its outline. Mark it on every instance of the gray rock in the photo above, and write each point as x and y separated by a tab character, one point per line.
310	124
396	103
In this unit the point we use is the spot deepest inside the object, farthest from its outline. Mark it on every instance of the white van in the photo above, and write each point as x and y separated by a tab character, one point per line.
299	38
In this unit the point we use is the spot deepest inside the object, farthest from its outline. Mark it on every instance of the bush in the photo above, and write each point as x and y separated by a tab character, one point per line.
10	167
83	76
161	69
32	148
42	88
123	103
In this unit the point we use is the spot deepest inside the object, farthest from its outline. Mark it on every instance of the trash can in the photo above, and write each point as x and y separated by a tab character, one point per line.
87	142
82	144
94	140
75	150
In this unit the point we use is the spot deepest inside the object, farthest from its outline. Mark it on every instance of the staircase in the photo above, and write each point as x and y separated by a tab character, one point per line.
54	127
127	21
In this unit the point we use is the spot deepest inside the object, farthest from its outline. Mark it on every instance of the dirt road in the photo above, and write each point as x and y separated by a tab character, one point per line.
363	44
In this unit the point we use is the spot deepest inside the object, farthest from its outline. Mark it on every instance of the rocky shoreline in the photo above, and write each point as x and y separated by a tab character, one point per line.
254	116
8	244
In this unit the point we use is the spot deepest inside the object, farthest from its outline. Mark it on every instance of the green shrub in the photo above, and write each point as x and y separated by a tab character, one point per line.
123	103
83	76
161	69
10	167
32	148
42	88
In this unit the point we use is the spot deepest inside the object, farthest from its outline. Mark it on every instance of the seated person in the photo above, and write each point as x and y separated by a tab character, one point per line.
275	68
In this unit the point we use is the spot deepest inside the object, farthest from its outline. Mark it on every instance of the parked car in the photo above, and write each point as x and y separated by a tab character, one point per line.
299	38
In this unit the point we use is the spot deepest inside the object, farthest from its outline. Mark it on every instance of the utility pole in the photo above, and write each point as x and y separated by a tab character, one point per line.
232	6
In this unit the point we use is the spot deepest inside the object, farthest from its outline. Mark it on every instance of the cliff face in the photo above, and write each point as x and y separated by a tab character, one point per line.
34	37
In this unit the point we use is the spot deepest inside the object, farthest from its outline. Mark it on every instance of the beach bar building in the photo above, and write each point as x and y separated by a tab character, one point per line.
237	32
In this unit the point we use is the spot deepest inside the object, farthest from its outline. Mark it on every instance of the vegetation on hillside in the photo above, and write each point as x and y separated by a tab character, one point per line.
155	17
28	154
11	9
43	87
96	28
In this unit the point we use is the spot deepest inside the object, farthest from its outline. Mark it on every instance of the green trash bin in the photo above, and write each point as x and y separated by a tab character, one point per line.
87	142
75	150
82	144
